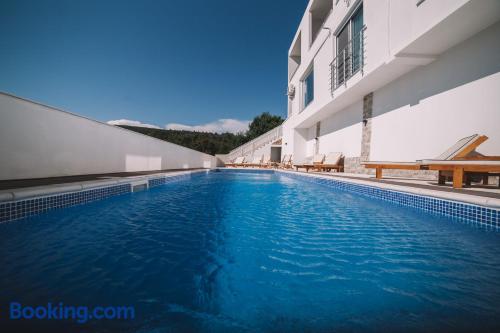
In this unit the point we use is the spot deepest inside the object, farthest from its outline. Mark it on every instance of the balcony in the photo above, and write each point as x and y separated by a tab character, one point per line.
349	61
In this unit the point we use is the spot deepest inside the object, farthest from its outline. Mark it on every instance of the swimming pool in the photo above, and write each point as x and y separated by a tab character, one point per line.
232	251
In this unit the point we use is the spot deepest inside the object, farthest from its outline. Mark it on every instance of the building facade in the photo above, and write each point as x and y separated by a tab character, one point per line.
393	80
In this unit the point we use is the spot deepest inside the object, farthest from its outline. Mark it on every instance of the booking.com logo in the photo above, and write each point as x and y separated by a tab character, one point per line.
60	311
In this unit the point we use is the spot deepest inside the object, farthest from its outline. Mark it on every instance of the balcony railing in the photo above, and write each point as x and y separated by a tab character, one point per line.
349	61
250	147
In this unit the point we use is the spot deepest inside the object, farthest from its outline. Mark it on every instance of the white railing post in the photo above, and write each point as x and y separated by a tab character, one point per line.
362	50
343	74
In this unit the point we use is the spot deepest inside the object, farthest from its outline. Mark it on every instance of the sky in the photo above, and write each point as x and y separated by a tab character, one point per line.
184	64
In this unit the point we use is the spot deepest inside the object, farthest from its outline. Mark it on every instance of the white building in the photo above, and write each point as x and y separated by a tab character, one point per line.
395	80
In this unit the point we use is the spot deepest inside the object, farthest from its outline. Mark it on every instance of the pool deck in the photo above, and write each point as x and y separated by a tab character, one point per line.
12	190
23	183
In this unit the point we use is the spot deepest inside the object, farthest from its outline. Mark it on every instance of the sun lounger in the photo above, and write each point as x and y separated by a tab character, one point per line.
459	150
282	163
461	158
256	162
310	162
237	162
286	162
462	170
266	162
306	162
289	162
332	161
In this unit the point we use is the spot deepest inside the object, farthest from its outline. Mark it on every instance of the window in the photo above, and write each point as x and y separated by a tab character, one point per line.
308	89
320	9
356	35
350	47
295	57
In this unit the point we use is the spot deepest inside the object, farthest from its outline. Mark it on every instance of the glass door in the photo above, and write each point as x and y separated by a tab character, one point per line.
357	40
342	55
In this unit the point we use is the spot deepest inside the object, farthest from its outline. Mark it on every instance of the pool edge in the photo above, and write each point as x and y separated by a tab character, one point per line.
26	202
34	201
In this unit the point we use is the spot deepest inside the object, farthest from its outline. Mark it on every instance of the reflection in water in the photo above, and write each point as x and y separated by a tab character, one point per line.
227	251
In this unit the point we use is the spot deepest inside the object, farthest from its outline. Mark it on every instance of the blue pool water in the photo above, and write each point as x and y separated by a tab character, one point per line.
228	251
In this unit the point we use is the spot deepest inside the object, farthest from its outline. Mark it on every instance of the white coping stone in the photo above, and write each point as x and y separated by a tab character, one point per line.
98	183
6	196
128	180
139	182
453	196
29	192
40	191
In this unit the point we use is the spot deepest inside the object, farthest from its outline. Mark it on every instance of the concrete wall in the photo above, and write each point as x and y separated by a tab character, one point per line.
221	159
342	131
425	111
37	141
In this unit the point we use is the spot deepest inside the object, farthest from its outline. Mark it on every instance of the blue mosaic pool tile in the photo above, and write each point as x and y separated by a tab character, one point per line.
242	170
24	208
164	180
458	210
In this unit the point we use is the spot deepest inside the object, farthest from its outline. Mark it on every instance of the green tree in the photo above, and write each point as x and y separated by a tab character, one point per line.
262	124
210	143
213	143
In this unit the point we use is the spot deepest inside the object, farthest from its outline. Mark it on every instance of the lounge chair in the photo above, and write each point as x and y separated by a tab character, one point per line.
267	162
289	162
462	170
311	162
256	162
280	163
306	162
332	161
286	162
459	159
238	161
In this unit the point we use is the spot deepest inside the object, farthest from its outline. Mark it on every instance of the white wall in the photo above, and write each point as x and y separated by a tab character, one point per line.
288	137
37	141
338	133
342	131
425	111
300	136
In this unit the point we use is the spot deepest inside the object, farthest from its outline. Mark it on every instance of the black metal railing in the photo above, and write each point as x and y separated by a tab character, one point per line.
349	61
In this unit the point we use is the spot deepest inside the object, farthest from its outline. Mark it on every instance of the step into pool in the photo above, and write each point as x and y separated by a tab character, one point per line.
244	251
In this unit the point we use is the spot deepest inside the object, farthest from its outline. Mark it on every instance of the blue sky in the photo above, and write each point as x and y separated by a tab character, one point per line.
157	62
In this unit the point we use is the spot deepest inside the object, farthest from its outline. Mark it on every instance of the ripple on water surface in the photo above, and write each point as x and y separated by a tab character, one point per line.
255	252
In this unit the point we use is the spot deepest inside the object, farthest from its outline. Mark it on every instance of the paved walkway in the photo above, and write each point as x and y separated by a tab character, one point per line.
487	191
22	183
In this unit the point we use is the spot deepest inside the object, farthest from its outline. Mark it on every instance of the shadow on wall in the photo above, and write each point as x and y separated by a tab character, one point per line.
348	117
425	111
469	61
